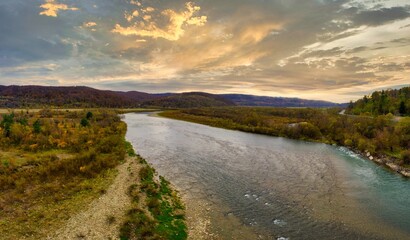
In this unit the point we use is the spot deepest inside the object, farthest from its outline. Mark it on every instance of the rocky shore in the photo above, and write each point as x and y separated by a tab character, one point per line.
385	161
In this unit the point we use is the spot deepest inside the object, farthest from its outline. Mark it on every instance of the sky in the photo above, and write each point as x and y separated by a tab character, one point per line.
335	50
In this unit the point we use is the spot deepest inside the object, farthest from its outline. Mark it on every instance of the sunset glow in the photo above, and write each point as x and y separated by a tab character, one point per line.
336	50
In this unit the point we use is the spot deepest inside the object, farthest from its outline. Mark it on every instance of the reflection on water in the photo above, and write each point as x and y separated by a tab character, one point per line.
276	187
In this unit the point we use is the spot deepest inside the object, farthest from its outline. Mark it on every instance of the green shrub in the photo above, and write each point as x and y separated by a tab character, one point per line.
37	126
405	156
84	122
89	115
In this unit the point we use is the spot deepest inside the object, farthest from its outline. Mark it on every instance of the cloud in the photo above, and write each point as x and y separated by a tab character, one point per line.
173	29
148	10
256	33
51	8
197	21
133	2
89	24
130	16
380	16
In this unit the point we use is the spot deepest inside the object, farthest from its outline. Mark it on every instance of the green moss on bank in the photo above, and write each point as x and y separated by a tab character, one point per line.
157	212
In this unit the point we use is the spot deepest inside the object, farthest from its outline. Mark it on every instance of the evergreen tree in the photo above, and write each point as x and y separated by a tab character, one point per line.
402	108
37	126
8	120
89	115
84	122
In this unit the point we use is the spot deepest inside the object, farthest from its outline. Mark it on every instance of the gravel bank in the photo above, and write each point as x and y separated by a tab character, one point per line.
104	216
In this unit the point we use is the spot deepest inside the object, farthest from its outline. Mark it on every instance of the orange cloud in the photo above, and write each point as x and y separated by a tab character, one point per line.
89	24
172	31
256	33
130	16
148	10
51	8
198	21
147	17
133	2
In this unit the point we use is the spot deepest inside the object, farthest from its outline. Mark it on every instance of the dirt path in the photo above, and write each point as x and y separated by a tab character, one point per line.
104	215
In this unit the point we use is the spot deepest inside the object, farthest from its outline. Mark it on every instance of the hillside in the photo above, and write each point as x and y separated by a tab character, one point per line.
189	100
86	97
79	97
39	96
135	96
395	101
251	100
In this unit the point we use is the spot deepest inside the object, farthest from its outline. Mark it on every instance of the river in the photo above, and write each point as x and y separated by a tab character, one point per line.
249	186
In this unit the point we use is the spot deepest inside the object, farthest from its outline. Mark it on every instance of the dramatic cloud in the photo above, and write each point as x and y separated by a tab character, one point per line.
172	30
51	8
321	49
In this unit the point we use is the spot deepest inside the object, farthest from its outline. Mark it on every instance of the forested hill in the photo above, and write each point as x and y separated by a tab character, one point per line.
86	97
395	101
189	100
251	100
40	96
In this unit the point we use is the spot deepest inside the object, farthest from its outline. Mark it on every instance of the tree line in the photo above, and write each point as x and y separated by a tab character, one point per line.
394	101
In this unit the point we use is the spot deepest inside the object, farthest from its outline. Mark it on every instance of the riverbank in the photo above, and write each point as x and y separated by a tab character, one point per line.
312	125
384	161
138	204
156	210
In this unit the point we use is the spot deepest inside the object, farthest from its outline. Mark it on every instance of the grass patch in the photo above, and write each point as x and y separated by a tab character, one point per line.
163	214
46	213
129	149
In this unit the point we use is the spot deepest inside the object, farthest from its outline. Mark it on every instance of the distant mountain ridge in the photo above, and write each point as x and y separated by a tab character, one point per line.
251	100
190	100
87	97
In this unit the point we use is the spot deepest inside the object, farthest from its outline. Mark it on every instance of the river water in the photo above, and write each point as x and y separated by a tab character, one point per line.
253	186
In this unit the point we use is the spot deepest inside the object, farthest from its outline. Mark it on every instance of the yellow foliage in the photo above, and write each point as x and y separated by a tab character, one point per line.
33	147
83	168
51	140
62	144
